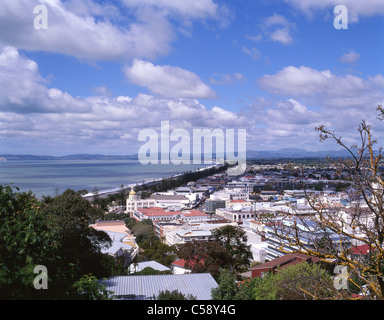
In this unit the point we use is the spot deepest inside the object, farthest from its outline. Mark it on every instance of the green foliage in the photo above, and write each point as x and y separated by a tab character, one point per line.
203	256
227	250
143	230
297	282
237	255
25	241
227	289
153	249
88	287
54	233
174	295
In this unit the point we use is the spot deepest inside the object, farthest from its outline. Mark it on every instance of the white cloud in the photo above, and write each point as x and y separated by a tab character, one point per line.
226	78
78	35
89	30
167	81
187	8
302	81
307	97
254	53
282	35
24	90
47	120
356	8
275	28
350	57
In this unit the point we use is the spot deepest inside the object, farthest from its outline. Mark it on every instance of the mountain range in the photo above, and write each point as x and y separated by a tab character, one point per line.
288	153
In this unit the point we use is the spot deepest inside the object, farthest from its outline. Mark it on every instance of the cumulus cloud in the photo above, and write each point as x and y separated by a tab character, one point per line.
24	90
356	8
119	31
35	116
350	57
307	82
167	81
304	98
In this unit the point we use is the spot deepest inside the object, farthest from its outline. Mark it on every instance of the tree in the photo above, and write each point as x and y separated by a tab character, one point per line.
361	223
88	287
174	295
78	246
203	256
237	255
52	235
304	281
227	289
26	241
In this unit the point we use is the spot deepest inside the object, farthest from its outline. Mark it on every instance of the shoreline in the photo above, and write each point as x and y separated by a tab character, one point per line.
107	192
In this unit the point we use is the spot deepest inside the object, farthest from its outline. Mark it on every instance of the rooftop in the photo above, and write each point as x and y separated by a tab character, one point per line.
148	287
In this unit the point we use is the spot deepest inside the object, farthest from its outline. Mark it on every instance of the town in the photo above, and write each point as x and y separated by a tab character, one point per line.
261	205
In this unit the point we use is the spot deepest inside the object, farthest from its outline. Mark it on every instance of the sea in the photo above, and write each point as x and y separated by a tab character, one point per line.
52	177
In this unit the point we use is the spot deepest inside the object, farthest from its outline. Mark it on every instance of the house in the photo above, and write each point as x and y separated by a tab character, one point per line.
178	267
198	285
289	259
124	247
120	250
360	253
140	266
116	226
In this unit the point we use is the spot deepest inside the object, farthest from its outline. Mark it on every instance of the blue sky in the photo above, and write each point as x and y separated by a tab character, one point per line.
103	71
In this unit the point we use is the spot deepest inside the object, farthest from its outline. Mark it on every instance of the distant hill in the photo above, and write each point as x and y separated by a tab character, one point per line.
264	154
19	157
296	153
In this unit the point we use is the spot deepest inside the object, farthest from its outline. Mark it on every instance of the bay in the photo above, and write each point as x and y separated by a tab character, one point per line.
48	177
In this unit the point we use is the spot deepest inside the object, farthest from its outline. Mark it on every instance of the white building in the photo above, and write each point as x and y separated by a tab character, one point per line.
134	202
198	232
235	214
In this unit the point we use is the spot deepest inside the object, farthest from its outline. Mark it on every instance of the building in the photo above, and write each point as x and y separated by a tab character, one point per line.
211	205
281	262
160	214
177	201
140	266
241	203
196	231
235	214
178	267
198	285
281	235
134	202
155	214
124	246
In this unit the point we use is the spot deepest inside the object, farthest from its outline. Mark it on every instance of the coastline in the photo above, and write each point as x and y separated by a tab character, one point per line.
104	193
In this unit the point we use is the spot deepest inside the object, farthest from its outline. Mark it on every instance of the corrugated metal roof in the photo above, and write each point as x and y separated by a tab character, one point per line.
148	287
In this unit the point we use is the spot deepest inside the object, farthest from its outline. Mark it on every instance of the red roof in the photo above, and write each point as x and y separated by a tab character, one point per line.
155	211
363	249
282	262
181	263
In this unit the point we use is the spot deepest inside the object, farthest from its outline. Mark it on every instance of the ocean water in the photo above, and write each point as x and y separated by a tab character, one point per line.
55	176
